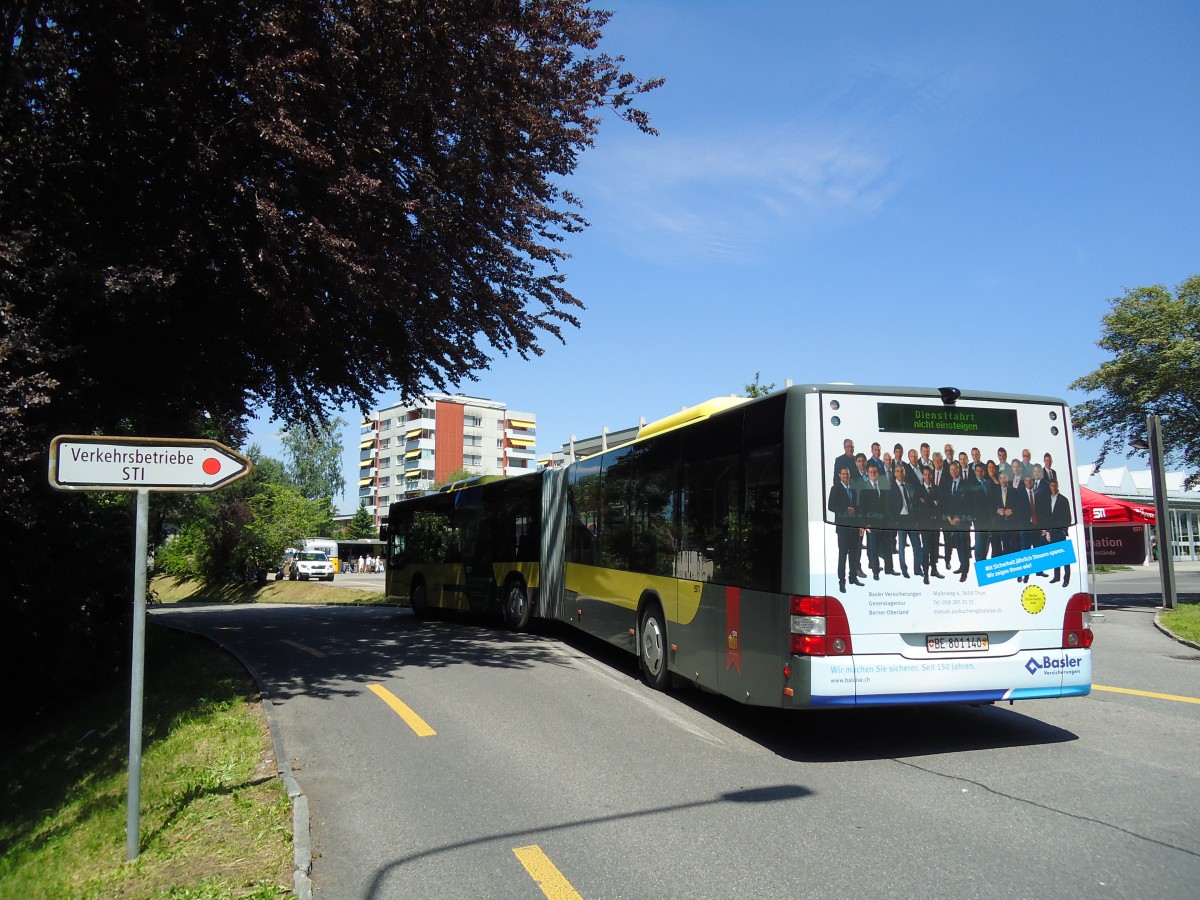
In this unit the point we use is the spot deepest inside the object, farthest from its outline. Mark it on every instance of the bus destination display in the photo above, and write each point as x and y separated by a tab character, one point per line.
965	420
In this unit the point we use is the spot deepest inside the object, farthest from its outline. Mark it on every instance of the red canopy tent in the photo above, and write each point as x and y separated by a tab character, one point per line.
1100	509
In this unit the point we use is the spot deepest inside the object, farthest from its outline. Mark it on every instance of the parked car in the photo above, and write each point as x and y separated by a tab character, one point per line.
308	564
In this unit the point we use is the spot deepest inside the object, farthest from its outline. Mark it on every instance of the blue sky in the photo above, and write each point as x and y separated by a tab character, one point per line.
919	193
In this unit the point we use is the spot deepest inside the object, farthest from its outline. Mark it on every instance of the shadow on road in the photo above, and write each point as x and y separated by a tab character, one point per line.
362	644
846	734
781	793
370	644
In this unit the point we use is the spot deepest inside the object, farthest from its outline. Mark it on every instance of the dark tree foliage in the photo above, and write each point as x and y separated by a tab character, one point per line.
207	205
210	205
25	385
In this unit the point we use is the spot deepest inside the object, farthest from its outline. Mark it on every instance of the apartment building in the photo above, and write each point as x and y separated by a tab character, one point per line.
406	450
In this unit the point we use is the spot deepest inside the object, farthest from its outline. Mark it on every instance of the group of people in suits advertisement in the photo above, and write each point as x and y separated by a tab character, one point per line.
905	513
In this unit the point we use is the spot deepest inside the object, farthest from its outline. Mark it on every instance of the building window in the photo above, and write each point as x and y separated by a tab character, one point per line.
472	459
384	442
385	424
473	421
385	462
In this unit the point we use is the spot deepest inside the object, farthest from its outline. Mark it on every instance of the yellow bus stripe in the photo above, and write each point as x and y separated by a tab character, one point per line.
304	647
1117	690
552	882
415	722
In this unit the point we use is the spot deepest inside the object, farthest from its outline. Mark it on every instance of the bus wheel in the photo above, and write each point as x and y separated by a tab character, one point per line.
652	650
517	609
419	600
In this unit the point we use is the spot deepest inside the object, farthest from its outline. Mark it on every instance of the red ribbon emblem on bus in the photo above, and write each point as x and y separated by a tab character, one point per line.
733	627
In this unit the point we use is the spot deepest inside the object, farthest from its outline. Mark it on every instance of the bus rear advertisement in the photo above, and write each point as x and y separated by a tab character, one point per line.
827	545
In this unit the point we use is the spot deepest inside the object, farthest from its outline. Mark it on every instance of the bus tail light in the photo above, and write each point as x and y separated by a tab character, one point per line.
819	627
1075	634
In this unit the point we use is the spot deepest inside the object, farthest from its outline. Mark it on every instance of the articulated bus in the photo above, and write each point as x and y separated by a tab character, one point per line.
823	546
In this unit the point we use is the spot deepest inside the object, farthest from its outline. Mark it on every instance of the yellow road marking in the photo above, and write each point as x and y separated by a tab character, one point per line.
304	647
415	722
1175	697
546	874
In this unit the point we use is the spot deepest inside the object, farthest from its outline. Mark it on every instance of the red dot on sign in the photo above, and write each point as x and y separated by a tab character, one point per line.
212	466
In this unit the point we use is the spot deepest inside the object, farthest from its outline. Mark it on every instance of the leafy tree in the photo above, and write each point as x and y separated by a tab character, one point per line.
361	525
456	475
267	470
755	389
240	537
1154	337
282	518
210	207
314	459
297	203
24	385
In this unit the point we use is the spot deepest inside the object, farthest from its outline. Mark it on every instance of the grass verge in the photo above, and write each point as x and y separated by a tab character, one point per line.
215	819
1183	620
169	589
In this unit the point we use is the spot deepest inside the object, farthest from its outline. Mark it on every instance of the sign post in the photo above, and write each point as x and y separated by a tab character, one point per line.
141	465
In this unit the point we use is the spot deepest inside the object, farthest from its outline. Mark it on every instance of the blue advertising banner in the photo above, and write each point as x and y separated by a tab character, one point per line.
1025	562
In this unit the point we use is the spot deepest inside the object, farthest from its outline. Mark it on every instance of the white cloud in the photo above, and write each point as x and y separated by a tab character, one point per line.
730	196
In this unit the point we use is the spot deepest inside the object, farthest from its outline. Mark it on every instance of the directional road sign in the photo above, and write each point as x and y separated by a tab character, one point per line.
98	463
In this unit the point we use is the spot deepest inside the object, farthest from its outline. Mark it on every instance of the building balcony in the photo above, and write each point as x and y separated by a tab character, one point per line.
411	425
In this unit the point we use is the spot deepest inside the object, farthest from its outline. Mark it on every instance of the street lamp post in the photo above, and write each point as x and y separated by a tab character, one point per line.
1166	558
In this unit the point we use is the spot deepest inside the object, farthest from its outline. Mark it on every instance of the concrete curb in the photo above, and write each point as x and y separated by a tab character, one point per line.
1172	635
301	833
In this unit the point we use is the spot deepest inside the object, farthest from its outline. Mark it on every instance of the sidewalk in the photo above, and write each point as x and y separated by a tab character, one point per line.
1141	588
1141	584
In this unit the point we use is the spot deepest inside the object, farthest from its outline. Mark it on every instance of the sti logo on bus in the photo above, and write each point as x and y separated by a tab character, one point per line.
1047	662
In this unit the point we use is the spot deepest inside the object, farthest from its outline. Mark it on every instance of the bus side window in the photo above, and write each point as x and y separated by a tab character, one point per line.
583	497
654	507
616	492
762	506
763	519
709	500
527	544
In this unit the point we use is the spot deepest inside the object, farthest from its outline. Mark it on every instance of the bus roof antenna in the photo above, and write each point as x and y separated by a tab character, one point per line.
950	395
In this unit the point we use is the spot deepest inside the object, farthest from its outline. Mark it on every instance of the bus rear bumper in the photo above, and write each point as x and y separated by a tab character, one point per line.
886	680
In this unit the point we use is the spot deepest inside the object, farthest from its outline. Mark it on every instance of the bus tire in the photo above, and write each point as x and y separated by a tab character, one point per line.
418	599
517	608
652	647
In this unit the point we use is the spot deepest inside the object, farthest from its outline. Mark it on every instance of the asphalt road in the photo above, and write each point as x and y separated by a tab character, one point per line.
551	763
